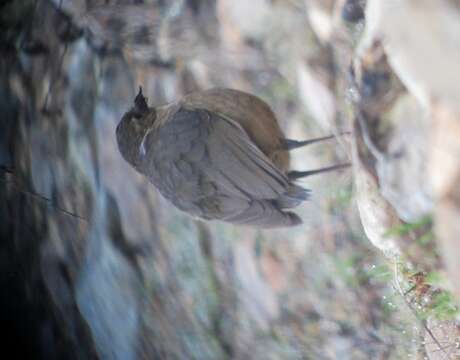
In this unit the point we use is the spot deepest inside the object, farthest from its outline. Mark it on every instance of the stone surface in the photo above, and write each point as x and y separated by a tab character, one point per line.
418	173
403	174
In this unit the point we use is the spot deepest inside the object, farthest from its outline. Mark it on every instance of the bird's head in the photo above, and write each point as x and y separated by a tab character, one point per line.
133	126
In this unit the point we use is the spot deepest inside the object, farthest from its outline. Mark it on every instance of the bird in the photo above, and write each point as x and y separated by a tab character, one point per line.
217	154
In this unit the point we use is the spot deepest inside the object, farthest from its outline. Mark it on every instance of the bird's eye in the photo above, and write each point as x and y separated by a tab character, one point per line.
137	115
134	114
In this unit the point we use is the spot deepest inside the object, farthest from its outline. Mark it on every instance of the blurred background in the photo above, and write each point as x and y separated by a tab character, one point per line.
94	263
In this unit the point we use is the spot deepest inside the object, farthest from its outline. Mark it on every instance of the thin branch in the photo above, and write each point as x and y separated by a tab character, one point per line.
375	151
398	288
44	199
60	62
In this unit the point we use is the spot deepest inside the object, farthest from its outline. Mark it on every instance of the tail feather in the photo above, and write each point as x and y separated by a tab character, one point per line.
265	214
293	197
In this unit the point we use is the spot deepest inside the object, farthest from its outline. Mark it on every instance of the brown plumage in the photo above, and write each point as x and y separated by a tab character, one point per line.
217	154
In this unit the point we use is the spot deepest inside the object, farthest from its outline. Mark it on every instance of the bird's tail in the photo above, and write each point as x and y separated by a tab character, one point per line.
293	197
265	214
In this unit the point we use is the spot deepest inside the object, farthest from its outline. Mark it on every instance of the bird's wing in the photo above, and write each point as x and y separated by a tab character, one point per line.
170	156
238	164
207	165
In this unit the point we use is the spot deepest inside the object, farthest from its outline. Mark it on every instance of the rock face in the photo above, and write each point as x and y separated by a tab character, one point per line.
412	138
95	264
418	172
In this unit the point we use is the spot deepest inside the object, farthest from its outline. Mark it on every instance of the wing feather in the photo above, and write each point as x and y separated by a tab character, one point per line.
236	158
215	171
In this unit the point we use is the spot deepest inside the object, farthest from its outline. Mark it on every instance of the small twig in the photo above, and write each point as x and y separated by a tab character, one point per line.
398	288
44	199
375	151
410	290
32	20
61	60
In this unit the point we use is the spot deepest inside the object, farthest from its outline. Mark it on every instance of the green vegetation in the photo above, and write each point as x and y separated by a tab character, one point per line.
406	228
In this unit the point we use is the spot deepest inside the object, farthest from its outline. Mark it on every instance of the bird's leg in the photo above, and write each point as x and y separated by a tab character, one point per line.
294	175
289	144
